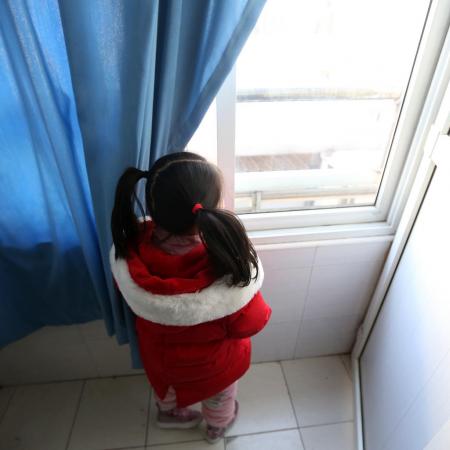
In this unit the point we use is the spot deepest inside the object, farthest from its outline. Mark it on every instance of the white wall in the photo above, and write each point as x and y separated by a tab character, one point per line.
405	367
318	292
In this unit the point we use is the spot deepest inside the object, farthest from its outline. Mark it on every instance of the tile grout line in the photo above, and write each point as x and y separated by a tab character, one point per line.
278	430
100	377
69	437
88	350
140	373
8	403
292	404
354	261
305	302
126	448
166	444
226	438
328	424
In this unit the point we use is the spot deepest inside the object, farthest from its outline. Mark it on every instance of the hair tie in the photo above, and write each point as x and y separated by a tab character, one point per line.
196	207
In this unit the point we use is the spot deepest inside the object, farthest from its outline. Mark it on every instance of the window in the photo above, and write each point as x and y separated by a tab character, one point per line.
319	123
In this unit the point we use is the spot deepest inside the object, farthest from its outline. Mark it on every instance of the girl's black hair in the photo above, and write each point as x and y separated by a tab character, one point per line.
175	183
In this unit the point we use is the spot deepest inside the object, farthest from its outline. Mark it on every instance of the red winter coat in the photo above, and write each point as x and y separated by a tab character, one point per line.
193	329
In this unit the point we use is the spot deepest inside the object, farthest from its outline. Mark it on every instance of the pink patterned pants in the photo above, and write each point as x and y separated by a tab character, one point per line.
217	410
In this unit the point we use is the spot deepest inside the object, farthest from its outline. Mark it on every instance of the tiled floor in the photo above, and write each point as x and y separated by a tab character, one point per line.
303	404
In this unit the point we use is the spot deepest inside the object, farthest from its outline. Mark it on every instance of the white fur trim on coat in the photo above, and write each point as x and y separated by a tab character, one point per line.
213	302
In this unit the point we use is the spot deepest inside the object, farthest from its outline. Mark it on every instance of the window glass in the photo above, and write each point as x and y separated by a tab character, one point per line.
319	90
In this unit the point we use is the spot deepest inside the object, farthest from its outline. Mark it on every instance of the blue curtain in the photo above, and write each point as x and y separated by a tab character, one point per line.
50	263
94	86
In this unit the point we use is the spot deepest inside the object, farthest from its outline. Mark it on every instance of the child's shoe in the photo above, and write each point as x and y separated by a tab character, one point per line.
178	418
214	434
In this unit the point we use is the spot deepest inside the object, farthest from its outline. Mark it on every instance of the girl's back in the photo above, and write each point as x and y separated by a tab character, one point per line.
192	278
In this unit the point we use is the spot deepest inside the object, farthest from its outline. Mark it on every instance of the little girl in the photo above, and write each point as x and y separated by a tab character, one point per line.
192	277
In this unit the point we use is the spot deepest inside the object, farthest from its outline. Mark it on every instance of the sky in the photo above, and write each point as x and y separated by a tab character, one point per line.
324	44
332	43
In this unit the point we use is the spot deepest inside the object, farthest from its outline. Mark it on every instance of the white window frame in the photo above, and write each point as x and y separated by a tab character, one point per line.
417	114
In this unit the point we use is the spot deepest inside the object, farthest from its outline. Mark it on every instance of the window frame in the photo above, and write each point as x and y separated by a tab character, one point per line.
416	115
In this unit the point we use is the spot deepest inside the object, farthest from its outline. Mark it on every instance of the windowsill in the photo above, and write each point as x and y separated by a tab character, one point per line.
300	237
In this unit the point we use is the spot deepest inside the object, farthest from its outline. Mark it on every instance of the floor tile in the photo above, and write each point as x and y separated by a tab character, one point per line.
40	417
197	445
283	440
49	354
338	436
264	383
157	435
94	329
41	362
111	358
5	397
63	334
321	390
112	414
264	401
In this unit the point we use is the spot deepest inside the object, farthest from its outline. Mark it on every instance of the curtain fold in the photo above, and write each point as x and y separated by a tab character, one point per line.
50	270
142	75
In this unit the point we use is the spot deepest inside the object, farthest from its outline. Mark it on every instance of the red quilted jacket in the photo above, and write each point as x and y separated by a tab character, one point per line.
193	329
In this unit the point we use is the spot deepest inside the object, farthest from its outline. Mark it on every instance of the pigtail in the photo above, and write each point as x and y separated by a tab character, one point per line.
227	244
124	224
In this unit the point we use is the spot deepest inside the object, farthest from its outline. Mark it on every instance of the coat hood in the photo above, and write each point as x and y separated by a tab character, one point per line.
177	289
